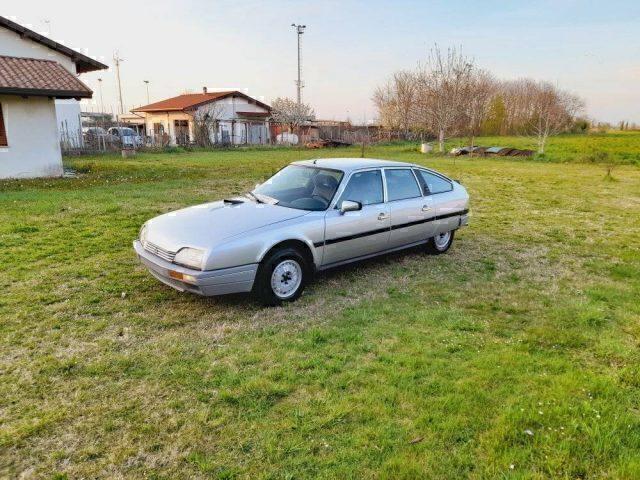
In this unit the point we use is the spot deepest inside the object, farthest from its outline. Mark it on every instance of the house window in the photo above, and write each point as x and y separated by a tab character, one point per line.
3	130
158	128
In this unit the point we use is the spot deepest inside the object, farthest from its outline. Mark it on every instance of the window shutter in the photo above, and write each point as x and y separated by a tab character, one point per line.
3	131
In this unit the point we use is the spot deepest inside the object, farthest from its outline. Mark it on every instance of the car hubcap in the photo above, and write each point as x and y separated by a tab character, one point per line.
442	240
286	279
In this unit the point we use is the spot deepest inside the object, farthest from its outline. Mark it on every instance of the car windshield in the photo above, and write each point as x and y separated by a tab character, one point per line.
127	132
301	187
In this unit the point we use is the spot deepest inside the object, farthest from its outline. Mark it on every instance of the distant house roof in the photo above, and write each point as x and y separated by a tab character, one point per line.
189	101
33	77
83	63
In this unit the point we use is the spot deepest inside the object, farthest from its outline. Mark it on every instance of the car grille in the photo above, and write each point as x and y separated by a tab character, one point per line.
159	251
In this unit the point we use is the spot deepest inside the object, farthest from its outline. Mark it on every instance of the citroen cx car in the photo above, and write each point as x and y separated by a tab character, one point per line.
310	216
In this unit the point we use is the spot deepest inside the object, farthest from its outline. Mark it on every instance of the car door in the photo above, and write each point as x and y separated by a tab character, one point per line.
446	203
406	203
356	234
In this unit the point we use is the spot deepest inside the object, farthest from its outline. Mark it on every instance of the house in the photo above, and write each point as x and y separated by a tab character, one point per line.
230	117
35	73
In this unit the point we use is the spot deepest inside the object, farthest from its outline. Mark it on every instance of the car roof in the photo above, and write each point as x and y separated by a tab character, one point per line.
349	164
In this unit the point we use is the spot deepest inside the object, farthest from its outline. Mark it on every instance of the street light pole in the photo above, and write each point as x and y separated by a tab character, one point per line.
101	99
299	84
116	61
147	83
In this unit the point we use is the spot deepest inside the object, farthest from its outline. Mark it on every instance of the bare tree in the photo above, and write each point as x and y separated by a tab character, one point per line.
448	96
396	101
442	84
552	112
481	90
205	124
290	113
385	100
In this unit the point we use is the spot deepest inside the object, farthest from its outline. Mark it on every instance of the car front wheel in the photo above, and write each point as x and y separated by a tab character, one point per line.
281	277
440	243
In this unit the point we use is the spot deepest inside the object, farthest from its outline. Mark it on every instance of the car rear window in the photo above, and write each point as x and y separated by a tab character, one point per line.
432	183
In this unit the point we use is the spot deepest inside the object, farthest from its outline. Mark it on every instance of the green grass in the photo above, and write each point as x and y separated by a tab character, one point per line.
613	148
516	355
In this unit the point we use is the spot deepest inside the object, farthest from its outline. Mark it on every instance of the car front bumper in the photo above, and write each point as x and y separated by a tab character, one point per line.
208	283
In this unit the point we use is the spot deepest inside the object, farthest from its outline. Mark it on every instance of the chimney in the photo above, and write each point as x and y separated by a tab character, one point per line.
204	89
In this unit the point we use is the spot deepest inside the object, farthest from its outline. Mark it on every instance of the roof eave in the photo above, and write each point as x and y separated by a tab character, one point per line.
83	63
34	92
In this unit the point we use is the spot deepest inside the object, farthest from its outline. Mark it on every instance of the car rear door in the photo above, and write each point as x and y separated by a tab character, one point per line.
408	207
360	233
448	206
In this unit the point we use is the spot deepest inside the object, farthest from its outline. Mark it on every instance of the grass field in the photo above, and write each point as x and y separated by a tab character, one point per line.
613	147
516	355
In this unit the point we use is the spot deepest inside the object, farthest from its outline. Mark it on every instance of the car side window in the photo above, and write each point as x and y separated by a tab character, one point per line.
364	187
433	183
401	184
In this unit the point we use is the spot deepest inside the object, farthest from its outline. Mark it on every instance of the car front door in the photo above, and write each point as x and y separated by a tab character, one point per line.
359	233
406	204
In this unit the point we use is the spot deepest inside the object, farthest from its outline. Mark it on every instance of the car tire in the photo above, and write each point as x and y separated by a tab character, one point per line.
281	277
440	243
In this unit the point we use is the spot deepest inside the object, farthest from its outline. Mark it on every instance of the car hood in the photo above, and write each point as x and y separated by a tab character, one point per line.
204	226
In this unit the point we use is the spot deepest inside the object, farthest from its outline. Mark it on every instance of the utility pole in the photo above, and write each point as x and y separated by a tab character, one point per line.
116	62
299	83
147	83
101	99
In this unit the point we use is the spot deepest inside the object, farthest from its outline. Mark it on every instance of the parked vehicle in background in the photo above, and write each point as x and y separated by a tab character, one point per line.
310	216
127	137
98	138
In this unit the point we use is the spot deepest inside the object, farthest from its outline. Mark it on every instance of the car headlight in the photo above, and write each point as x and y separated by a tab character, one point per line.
190	257
143	234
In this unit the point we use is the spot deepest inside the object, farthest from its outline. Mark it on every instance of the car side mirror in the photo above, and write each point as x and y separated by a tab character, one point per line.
349	206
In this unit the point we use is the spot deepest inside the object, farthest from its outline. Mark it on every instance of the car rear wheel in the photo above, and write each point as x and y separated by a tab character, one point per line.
281	277
440	243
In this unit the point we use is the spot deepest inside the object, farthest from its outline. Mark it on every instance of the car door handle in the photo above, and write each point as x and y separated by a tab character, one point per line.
383	216
426	208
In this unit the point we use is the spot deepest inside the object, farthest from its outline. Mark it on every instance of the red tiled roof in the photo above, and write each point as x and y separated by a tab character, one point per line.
189	101
29	76
83	63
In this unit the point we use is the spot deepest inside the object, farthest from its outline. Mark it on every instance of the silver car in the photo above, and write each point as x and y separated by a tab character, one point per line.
310	216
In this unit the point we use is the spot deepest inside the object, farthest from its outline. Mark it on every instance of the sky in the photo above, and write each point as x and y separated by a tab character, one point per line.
591	48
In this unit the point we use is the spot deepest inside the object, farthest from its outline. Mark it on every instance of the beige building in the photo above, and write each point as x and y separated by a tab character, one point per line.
230	117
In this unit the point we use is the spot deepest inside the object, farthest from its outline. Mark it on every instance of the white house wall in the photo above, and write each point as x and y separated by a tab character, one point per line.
68	118
13	45
167	120
32	135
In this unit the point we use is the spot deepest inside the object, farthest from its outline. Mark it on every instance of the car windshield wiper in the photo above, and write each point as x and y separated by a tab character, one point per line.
253	195
233	201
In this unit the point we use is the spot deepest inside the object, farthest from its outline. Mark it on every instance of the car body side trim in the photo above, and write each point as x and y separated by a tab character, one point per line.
393	227
371	255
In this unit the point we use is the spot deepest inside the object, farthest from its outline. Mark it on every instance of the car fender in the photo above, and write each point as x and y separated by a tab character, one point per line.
251	247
